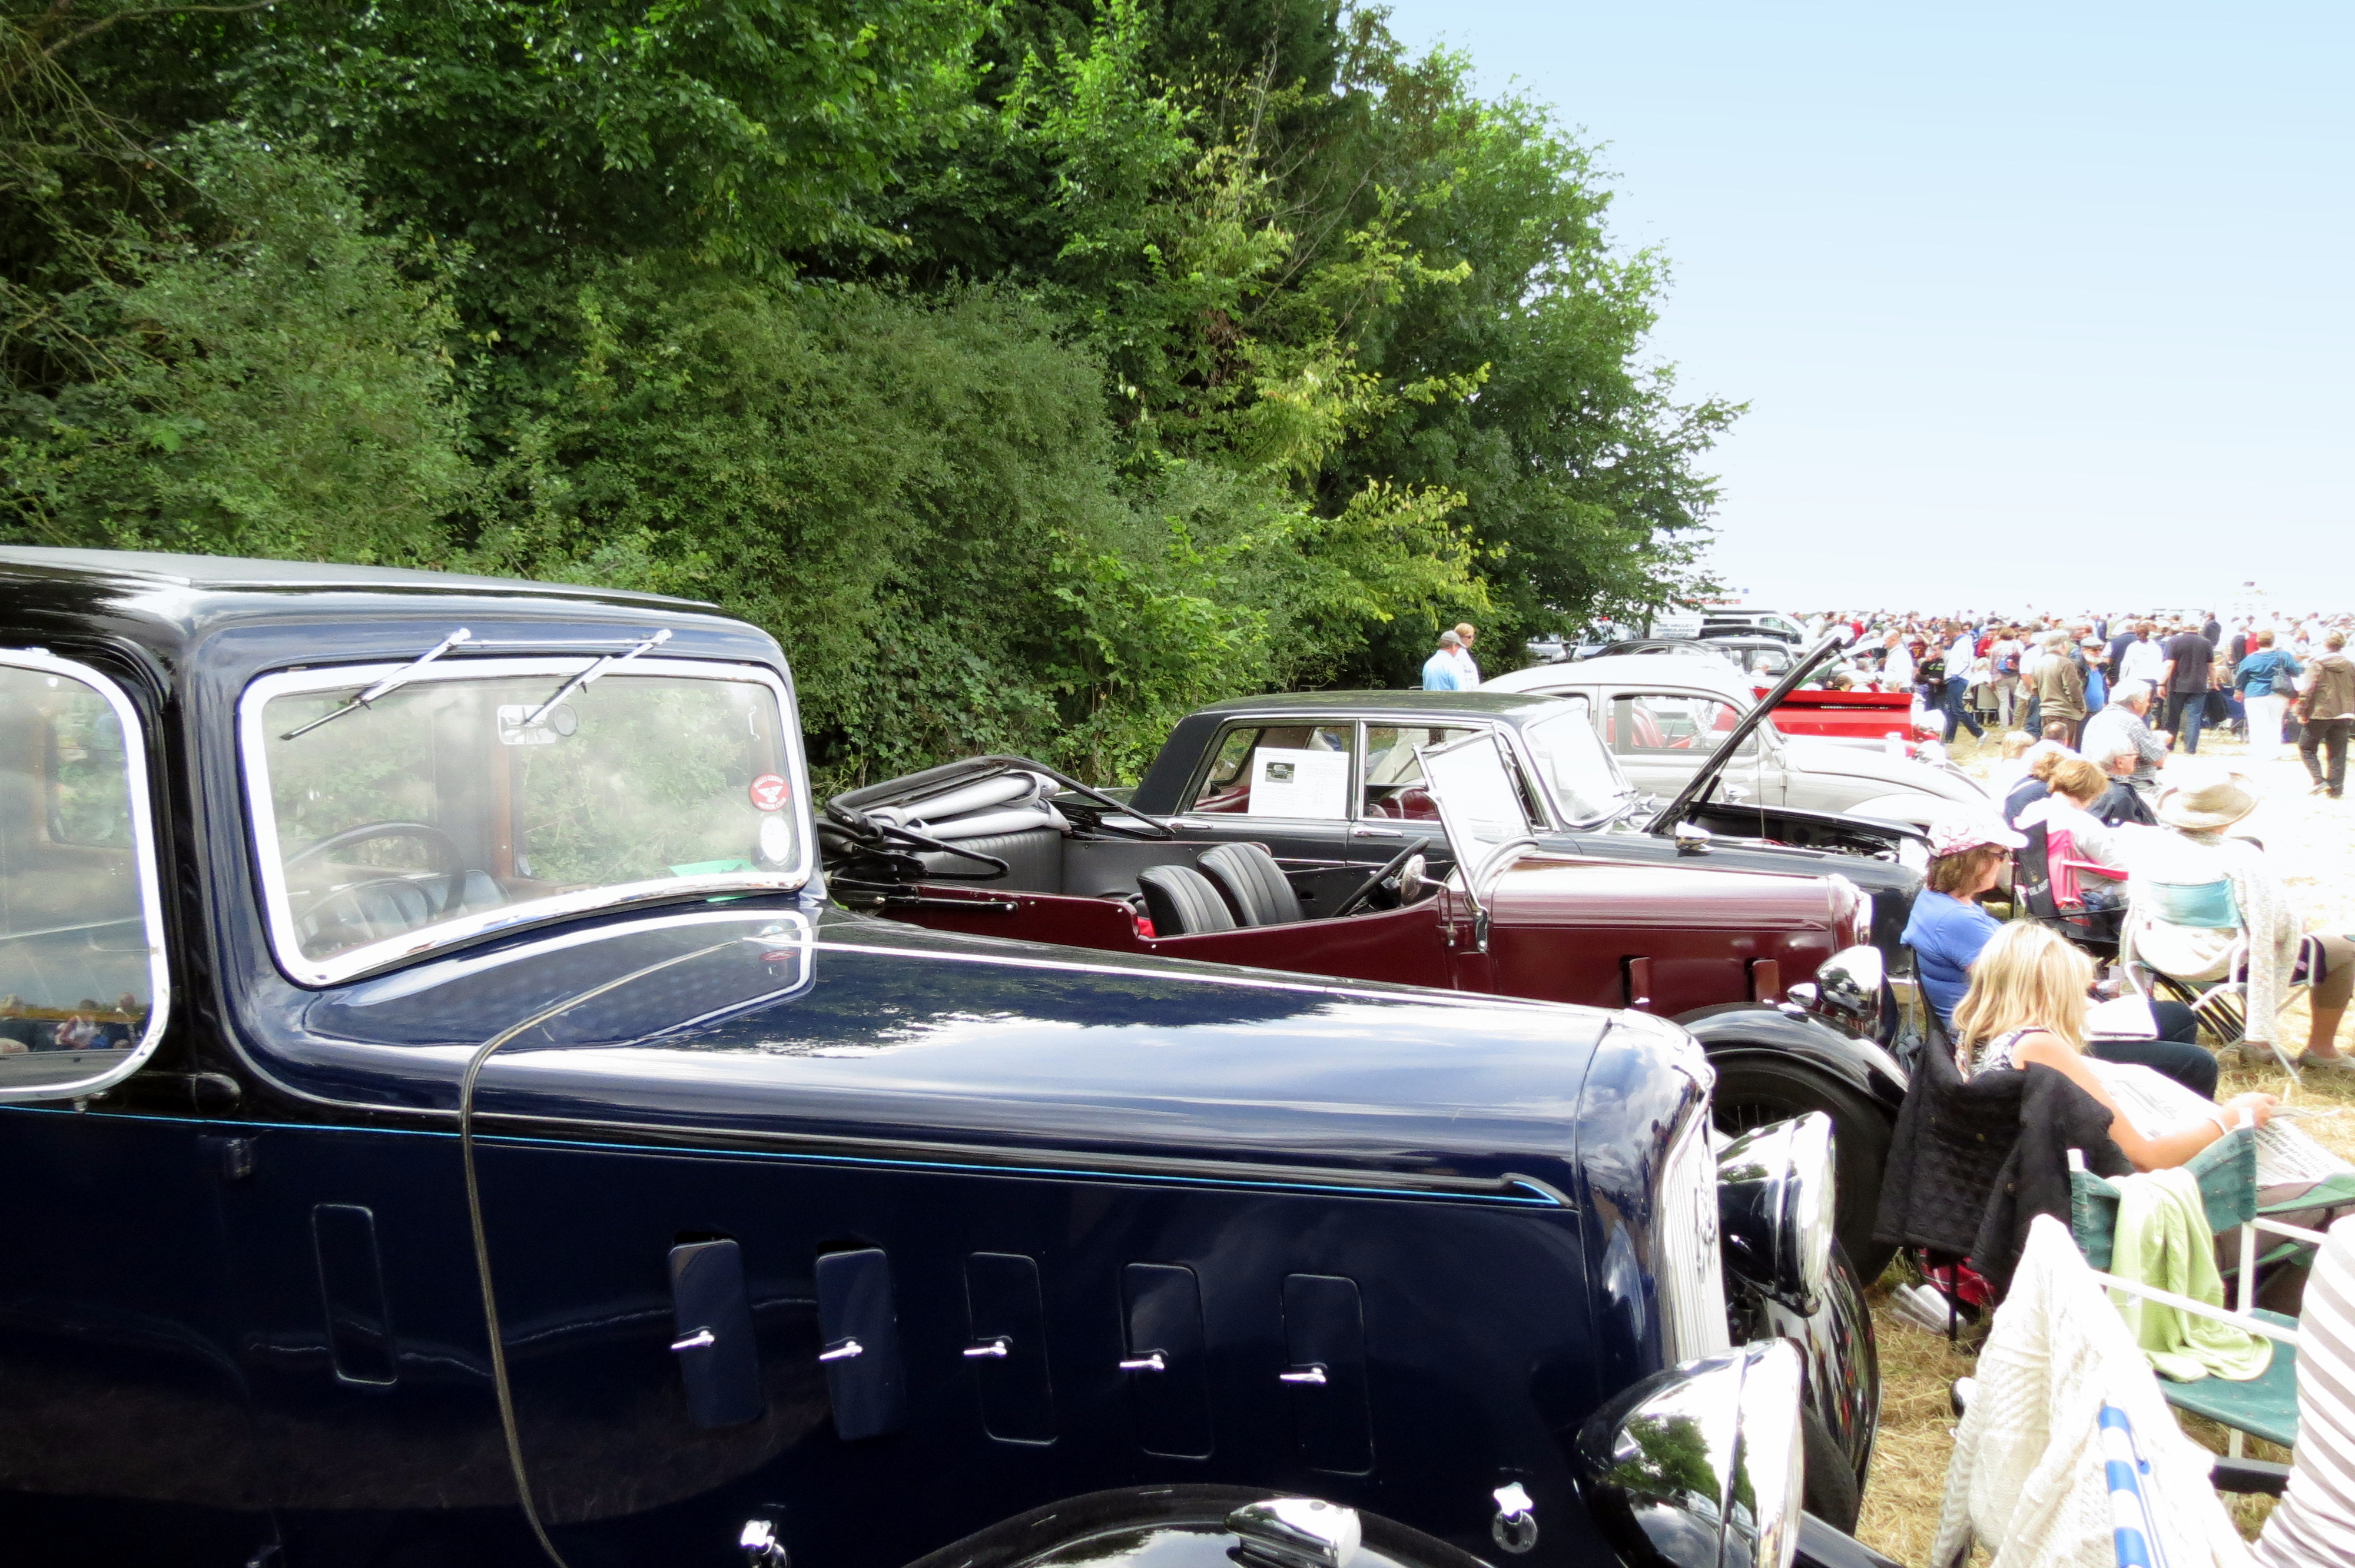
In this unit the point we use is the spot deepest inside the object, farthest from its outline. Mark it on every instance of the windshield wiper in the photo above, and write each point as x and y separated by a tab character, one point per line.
400	677
595	668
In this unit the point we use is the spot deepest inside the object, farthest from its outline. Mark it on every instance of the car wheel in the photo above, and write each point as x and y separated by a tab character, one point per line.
1752	1091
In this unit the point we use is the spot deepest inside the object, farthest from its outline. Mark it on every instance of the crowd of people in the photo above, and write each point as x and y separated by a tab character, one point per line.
2120	686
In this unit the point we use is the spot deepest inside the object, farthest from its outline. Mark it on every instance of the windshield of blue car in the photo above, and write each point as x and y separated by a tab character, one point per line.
465	801
1585	786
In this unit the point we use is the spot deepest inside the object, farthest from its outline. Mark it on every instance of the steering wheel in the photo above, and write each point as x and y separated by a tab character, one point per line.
1362	895
451	858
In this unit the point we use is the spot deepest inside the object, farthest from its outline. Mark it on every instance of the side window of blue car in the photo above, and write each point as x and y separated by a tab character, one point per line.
83	987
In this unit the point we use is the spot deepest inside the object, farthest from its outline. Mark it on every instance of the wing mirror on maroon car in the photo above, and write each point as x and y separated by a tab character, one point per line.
1847	989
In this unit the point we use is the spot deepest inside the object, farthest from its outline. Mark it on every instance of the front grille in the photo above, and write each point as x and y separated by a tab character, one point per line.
1691	1281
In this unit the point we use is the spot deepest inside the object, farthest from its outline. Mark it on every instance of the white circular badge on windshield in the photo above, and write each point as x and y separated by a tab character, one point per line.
776	839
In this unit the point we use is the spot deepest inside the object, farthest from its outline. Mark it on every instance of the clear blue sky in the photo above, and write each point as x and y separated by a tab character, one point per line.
2031	303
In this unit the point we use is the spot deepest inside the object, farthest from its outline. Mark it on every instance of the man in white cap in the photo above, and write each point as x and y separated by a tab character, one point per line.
1444	671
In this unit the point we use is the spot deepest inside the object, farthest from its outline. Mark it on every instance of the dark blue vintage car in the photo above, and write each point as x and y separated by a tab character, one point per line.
445	1123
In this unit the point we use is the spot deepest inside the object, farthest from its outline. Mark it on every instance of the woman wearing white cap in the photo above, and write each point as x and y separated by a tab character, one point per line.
1948	929
2196	896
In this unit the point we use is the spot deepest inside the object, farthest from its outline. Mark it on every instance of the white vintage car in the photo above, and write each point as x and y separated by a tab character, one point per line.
1670	720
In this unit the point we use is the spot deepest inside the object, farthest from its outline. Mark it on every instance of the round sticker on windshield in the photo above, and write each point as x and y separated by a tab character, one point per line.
770	792
776	839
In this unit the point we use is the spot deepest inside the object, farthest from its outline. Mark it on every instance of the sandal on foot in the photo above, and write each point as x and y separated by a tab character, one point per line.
2342	1064
2249	1056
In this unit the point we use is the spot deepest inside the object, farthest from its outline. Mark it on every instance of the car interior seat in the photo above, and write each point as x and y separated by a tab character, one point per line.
1182	902
1252	885
1413	803
1033	857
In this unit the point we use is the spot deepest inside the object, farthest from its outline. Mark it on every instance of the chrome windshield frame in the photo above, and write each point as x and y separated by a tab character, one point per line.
393	952
144	865
1527	754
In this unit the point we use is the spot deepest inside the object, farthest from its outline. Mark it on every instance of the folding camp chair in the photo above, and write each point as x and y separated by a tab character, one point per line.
2047	886
2221	1006
2264	1406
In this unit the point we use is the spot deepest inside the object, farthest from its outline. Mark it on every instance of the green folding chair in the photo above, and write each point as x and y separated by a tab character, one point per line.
2264	1406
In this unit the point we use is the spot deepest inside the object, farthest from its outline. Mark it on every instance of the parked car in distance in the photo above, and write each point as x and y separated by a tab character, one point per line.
444	1121
1552	650
1824	706
1670	721
1331	852
1753	622
1859	713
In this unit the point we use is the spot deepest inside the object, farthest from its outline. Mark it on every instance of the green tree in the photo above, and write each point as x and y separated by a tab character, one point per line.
274	378
1036	371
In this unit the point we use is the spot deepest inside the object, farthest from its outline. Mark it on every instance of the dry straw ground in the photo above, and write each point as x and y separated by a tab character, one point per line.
2314	840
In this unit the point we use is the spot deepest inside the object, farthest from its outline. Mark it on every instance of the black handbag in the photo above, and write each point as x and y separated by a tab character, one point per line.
2219	709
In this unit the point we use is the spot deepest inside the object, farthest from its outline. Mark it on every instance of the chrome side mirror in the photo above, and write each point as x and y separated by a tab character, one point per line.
1701	1463
1848	989
1691	838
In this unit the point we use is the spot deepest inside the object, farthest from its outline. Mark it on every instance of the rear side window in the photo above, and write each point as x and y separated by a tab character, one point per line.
83	986
1296	770
1665	725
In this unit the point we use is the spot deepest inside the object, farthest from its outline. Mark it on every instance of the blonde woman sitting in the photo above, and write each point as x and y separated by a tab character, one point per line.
2026	1007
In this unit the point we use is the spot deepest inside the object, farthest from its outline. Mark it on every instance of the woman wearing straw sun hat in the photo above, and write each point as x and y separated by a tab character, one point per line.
2195	893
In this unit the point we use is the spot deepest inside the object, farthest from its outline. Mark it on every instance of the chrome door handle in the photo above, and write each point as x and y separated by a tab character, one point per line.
849	1349
1314	1372
701	1339
759	1543
1376	834
1151	1360
995	1345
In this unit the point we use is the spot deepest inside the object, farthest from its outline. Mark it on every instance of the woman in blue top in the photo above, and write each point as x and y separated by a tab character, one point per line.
1948	929
2267	680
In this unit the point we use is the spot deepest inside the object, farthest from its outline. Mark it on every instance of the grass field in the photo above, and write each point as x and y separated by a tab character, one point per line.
2314	837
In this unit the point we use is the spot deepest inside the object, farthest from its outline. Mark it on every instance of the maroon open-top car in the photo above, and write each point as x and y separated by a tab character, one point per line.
1003	847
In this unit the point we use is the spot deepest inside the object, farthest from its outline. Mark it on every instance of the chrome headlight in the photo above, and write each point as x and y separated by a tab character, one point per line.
1777	1199
1701	1464
1847	989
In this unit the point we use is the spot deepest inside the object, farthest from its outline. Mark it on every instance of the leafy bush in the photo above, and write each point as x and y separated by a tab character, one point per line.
1036	372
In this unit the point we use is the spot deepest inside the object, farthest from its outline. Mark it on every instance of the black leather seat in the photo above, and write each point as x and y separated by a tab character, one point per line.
1033	857
1181	902
1253	886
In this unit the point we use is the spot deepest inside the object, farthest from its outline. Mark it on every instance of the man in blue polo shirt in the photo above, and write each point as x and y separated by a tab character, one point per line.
1444	671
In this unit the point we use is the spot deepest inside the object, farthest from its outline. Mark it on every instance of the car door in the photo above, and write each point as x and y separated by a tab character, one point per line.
1395	806
124	1423
1288	783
